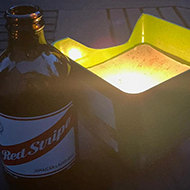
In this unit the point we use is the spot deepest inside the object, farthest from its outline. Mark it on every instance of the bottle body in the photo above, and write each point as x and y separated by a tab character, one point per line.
37	117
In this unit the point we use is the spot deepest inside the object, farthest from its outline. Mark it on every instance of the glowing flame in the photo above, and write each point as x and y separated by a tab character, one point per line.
74	53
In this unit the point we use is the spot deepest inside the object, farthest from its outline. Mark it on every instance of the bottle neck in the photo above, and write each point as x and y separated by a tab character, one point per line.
25	39
25	32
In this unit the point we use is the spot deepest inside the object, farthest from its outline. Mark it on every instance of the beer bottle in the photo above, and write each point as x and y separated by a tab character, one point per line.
37	114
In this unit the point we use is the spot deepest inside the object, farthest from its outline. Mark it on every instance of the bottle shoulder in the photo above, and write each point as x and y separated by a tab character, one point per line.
34	86
45	60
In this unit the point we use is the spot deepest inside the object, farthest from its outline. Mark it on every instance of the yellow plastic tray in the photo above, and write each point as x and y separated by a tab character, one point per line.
148	30
140	128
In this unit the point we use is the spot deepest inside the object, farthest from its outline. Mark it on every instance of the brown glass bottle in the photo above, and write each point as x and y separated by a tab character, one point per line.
37	117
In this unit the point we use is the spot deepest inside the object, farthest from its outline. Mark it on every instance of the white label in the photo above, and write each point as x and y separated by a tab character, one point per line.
40	146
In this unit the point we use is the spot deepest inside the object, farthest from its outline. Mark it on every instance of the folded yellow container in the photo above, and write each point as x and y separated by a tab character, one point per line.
138	127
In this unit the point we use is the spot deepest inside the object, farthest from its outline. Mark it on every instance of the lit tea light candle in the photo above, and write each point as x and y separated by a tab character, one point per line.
139	69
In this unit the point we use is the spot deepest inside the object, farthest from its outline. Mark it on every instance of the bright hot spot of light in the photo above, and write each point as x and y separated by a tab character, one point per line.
132	82
74	53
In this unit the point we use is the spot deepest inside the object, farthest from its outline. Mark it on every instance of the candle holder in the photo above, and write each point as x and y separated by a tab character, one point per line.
138	126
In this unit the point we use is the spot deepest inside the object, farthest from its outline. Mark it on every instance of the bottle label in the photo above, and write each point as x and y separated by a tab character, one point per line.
33	147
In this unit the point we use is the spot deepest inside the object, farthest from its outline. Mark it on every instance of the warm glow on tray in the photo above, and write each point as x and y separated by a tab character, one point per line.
138	69
131	82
